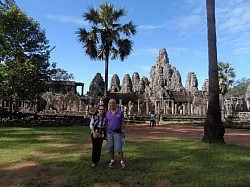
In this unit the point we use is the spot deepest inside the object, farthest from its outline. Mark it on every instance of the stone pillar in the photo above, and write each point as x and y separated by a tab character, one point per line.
147	108
155	106
192	109
120	104
175	109
138	106
198	110
80	105
172	105
68	106
184	109
129	108
204	111
158	106
188	108
164	106
167	106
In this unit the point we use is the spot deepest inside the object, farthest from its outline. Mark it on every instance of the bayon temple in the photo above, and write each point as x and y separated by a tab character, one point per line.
162	93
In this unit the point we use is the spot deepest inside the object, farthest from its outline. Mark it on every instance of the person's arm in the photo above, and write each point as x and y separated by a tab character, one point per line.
106	125
123	126
122	123
91	126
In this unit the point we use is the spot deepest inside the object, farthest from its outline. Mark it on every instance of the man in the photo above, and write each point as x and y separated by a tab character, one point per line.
115	128
152	119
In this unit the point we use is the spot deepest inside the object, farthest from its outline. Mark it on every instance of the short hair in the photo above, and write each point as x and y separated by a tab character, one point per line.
112	101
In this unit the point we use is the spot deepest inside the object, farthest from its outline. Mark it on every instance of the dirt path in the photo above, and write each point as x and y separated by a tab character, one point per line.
234	136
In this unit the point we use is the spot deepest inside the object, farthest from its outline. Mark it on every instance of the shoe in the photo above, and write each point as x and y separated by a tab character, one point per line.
123	166
111	164
94	165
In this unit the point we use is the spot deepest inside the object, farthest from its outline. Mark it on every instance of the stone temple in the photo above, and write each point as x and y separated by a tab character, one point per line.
162	93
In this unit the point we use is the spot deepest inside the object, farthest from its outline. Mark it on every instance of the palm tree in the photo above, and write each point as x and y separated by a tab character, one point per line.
105	39
213	128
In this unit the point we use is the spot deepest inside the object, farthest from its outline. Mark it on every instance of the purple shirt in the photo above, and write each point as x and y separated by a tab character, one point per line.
114	120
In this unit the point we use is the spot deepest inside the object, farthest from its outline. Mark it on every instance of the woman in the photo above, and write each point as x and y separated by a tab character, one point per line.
157	119
97	127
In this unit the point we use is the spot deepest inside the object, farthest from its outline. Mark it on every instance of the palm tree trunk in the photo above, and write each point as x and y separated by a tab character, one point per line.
213	128
106	77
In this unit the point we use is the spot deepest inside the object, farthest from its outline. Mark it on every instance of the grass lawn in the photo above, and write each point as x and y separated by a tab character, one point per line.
61	156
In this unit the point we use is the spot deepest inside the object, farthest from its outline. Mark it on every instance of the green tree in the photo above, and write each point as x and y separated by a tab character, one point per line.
213	127
240	87
24	56
226	75
62	75
105	39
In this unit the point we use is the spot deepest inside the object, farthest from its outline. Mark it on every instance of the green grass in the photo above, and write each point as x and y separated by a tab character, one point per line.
64	154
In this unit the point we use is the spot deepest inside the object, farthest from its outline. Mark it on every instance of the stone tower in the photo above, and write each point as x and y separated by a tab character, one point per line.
115	84
96	87
164	77
126	84
191	83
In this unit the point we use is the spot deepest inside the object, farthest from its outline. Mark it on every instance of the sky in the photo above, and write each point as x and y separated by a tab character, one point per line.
179	26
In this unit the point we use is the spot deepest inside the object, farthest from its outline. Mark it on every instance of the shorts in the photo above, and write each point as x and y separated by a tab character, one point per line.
114	143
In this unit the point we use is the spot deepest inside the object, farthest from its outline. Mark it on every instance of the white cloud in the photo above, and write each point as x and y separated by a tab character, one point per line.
241	50
234	18
233	25
152	51
189	21
151	27
177	51
144	68
66	19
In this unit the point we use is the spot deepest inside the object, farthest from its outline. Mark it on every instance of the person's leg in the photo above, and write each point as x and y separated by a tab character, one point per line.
118	148
110	148
94	150
99	149
112	155
120	154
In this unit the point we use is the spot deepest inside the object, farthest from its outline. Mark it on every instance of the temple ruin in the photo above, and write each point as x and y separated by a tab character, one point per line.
162	93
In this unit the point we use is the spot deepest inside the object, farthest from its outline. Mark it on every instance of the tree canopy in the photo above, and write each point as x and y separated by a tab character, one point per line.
24	55
240	87
62	75
226	75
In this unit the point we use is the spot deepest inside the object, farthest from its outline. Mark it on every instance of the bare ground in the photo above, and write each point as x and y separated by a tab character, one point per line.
232	136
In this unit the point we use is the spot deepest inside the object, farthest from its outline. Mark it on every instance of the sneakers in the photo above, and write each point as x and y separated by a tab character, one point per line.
123	166
111	164
94	165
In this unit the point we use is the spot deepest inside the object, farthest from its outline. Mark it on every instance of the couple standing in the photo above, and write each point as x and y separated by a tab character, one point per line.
111	122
